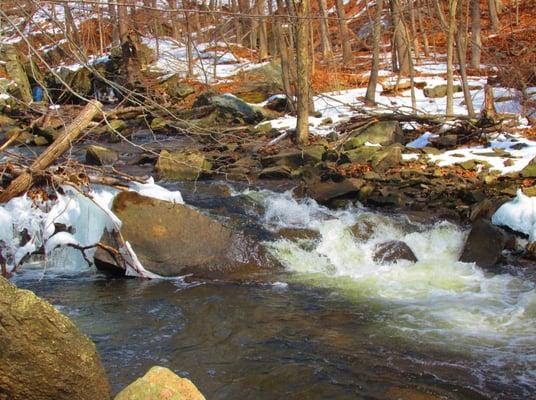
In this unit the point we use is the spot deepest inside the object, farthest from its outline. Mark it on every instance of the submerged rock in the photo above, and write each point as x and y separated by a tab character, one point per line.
173	240
160	384
484	244
43	355
392	252
182	165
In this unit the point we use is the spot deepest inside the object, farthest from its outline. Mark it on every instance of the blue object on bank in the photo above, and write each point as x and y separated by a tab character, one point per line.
38	93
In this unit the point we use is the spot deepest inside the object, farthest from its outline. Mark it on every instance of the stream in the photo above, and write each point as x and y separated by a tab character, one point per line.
331	324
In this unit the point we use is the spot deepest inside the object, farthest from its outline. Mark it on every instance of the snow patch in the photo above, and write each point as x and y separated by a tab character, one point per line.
518	214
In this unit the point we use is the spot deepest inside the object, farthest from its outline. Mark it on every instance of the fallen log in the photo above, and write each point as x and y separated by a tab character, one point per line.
24	181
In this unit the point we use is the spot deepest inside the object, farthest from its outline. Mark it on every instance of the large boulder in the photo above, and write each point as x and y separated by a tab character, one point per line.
484	244
43	355
182	165
258	84
172	240
392	252
230	105
160	384
383	132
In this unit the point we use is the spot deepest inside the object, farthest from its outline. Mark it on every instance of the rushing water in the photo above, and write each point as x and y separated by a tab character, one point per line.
334	324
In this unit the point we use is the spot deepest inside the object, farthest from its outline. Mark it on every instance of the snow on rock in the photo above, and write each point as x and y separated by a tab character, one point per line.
73	219
518	215
151	189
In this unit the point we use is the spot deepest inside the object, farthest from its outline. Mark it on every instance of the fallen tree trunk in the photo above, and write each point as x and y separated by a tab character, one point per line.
24	181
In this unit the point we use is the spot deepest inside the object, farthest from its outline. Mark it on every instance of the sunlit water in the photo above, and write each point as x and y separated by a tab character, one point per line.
334	324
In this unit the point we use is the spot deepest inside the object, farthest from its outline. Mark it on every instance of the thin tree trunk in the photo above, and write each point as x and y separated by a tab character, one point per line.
476	38
400	37
413	25
451	27
324	30
115	23
344	34
493	16
283	51
423	31
263	34
302	58
370	96
461	47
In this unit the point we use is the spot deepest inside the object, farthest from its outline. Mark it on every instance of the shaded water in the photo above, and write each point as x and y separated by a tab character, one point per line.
332	325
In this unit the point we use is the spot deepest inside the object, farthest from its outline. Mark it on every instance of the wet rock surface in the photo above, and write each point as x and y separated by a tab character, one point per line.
484	244
392	252
43	354
174	240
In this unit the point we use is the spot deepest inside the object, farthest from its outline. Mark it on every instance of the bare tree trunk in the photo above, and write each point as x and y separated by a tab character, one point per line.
461	47
70	28
370	96
493	16
115	23
324	30
451	28
283	51
488	108
302	58
421	28
413	25
400	36
189	42
344	33
263	34
476	38
237	24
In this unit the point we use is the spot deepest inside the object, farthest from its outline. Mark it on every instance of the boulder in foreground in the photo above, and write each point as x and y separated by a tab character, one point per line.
484	244
43	355
160	384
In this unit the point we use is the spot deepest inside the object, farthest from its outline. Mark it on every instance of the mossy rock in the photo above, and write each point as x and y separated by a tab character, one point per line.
182	165
384	133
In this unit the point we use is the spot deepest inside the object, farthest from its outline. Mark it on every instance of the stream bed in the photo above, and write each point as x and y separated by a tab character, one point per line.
331	324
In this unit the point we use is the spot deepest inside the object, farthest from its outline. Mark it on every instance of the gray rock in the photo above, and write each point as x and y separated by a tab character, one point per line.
43	355
229	104
484	244
392	252
100	155
386	158
324	192
383	132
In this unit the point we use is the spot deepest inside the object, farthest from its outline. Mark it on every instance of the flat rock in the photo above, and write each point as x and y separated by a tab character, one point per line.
323	192
182	165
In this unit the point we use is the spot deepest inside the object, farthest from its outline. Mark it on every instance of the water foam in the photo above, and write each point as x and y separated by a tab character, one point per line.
438	297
